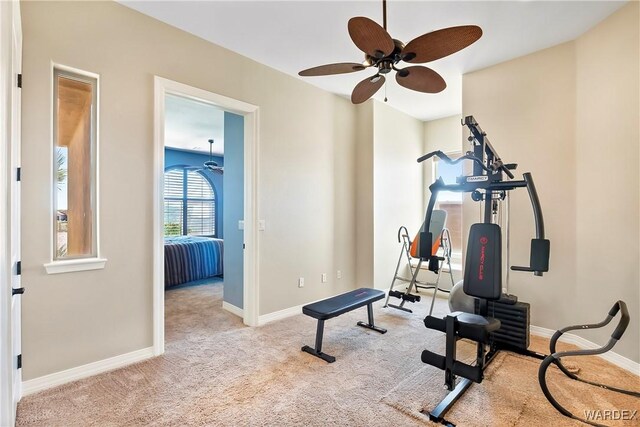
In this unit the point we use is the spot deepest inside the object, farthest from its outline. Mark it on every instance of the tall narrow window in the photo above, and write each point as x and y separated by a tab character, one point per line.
451	202
189	203
75	126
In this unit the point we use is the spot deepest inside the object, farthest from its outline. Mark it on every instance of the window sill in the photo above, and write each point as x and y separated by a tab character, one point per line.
73	265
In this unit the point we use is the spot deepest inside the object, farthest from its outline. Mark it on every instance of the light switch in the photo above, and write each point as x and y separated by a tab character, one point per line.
261	225
241	225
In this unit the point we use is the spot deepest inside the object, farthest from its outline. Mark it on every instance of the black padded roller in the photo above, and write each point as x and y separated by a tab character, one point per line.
411	297
433	359
435	323
474	373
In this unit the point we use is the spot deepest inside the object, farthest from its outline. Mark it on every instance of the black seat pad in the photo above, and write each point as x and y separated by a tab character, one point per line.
475	320
468	325
476	327
335	306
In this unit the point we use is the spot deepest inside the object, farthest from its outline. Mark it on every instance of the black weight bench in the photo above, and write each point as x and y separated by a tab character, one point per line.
335	306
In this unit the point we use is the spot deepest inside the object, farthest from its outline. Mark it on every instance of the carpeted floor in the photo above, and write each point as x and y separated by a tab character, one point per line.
217	372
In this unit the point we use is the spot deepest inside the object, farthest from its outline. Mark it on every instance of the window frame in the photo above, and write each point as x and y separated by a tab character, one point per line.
94	260
185	169
434	171
456	258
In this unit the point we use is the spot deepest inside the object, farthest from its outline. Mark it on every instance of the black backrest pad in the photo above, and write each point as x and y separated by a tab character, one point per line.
483	268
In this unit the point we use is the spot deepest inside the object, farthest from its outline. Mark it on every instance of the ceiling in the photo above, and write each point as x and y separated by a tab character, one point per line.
190	124
294	35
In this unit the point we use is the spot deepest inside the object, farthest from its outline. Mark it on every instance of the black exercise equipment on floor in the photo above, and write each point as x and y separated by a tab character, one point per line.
337	305
499	321
556	357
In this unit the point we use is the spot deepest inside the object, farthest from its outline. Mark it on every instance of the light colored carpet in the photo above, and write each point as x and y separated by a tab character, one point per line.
217	372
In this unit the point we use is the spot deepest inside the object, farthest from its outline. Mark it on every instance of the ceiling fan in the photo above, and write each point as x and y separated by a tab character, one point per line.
210	164
385	53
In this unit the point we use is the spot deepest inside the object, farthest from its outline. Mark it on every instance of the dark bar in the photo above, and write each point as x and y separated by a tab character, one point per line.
535	203
437	415
371	324
318	350
462	188
319	333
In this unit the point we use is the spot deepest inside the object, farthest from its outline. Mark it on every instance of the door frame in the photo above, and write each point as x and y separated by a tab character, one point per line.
10	384
162	87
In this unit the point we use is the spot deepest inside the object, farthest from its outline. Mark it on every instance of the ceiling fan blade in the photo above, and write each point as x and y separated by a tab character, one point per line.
421	79
370	37
438	44
329	69
366	89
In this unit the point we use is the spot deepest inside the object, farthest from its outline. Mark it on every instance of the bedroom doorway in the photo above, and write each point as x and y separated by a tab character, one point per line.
204	244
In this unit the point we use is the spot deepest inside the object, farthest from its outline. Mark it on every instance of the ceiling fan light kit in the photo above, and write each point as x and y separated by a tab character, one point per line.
385	53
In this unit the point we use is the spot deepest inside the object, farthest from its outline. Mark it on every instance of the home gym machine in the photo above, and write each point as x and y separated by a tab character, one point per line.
499	322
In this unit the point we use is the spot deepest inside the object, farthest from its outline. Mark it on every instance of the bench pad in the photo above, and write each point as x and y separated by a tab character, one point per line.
340	304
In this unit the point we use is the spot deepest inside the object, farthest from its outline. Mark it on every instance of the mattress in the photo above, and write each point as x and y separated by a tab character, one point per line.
189	258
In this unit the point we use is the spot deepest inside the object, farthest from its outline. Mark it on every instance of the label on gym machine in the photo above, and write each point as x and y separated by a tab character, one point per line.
477	178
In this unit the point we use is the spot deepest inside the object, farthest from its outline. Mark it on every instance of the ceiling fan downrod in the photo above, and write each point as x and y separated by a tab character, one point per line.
384	14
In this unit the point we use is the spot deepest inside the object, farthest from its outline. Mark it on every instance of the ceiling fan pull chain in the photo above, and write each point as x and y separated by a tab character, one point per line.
385	91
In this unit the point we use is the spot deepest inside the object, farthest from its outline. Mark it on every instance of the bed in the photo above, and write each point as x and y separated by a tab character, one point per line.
189	258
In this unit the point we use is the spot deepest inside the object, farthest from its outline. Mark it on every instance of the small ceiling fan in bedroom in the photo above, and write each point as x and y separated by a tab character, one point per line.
385	53
210	165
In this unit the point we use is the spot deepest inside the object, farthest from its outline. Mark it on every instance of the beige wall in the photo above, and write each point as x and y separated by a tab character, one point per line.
607	142
364	195
562	114
306	191
442	134
318	150
389	188
397	182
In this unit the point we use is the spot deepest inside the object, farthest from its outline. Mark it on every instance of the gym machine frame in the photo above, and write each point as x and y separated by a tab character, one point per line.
555	357
487	183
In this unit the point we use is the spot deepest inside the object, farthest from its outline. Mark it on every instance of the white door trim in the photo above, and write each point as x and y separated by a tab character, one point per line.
16	156
10	28
250	112
6	365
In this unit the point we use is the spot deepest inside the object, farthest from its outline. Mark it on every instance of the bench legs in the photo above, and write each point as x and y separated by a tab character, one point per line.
371	325
318	350
320	331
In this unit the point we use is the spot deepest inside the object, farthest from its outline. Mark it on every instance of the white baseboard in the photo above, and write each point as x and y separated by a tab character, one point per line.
84	371
232	309
582	343
281	314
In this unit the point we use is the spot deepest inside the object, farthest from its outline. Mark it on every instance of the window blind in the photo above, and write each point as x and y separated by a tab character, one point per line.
189	203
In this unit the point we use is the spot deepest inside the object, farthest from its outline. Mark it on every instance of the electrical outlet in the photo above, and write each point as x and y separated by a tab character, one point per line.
324	277
301	282
339	274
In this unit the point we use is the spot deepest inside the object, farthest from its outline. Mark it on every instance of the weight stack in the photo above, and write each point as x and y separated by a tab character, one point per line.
514	319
